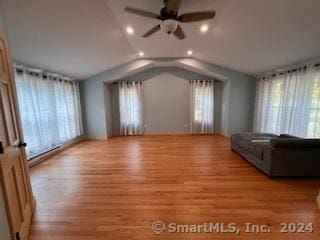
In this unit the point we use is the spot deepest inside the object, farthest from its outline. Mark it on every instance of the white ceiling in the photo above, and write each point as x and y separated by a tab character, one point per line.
79	38
82	38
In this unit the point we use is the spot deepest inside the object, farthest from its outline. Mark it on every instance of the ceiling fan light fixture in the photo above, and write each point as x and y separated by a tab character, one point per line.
171	19
169	25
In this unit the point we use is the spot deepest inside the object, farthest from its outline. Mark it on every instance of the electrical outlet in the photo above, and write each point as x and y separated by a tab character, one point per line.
186	125
145	126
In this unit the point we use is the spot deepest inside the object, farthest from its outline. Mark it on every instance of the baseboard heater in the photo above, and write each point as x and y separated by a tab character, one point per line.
45	153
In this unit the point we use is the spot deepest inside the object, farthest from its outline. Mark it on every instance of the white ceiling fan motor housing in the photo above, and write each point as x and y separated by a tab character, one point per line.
169	26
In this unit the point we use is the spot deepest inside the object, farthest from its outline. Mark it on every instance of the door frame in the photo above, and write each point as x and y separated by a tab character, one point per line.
16	110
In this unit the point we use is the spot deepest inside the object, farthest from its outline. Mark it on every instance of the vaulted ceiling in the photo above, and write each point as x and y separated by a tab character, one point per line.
82	38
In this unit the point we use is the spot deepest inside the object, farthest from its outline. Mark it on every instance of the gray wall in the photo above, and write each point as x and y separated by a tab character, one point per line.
237	94
4	227
166	99
225	89
241	96
109	110
115	113
92	95
166	104
2	25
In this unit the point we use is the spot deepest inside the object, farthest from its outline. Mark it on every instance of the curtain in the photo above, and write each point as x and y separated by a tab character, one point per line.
49	108
130	106
202	107
289	103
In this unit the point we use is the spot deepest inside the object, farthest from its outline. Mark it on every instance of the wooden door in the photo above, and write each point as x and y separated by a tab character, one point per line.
14	171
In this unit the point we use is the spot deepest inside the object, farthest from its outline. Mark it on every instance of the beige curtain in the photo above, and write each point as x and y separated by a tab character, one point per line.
289	103
130	104
202	107
50	109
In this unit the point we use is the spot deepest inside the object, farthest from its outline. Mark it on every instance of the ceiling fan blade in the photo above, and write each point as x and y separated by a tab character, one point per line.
142	12
179	33
151	31
173	6
196	16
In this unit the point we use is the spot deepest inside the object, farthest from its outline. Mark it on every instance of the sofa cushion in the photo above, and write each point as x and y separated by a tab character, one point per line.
257	149
288	136
245	139
295	143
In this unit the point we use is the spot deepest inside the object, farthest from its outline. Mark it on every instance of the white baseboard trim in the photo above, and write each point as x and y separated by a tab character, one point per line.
44	157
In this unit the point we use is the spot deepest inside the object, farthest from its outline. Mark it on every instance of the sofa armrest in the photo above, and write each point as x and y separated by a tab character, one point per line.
288	136
295	143
297	162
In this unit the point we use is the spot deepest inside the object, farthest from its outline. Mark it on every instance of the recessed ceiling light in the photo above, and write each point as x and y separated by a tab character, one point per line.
129	30
141	54
204	28
190	52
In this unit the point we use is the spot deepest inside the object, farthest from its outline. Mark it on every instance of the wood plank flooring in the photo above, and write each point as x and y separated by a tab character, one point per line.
116	189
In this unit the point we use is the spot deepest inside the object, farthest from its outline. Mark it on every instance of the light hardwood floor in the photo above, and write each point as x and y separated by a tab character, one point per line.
115	190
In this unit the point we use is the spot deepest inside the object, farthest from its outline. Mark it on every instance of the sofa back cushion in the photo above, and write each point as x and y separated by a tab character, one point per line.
288	136
295	143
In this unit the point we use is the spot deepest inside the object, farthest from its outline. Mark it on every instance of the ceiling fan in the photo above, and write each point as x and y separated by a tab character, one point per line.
170	19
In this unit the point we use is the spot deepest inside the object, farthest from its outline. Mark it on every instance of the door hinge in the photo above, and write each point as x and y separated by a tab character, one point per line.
1	148
18	236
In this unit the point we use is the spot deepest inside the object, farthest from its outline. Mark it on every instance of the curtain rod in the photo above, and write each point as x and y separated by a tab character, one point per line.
290	71
203	81
38	72
44	75
117	82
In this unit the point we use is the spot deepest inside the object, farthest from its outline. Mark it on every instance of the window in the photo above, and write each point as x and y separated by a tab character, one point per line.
202	106
50	110
314	116
130	104
289	103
